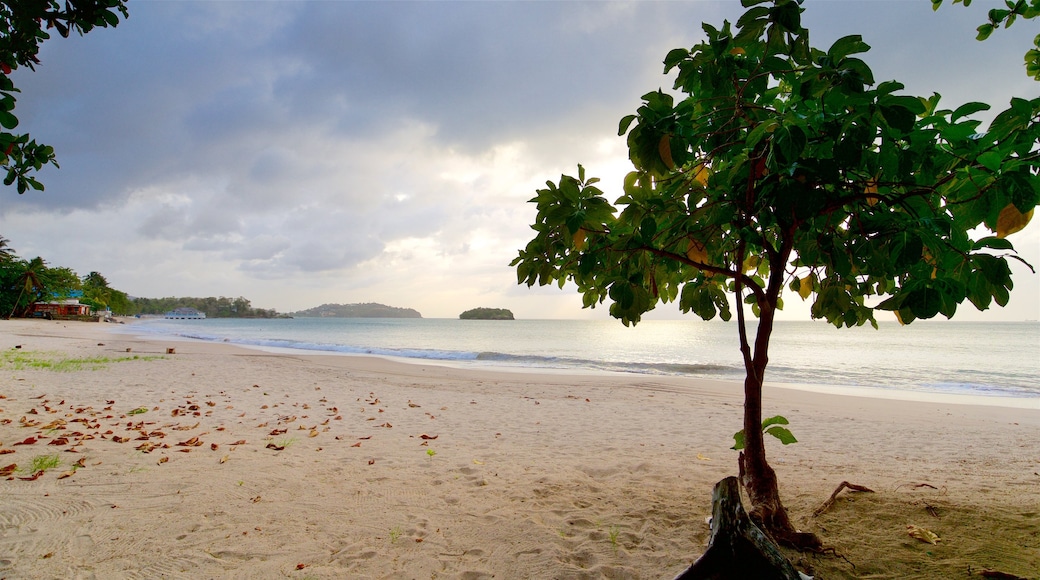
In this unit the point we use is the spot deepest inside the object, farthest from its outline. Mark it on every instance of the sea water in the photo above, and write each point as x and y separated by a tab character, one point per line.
999	360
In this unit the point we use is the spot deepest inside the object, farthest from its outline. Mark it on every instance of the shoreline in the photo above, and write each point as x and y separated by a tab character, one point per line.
532	475
887	393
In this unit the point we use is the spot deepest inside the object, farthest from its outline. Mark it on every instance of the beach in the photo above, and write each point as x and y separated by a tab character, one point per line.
216	461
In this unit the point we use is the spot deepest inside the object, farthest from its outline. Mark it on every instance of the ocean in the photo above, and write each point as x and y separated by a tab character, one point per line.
998	363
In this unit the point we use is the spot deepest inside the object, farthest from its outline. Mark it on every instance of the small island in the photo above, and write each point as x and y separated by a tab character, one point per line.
364	310
487	314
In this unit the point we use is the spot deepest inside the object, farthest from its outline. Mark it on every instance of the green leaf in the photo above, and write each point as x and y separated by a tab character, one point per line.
7	120
752	15
991	160
783	434
738	440
845	46
789	141
993	242
899	117
777	420
626	122
924	303
674	57
759	132
648	229
968	109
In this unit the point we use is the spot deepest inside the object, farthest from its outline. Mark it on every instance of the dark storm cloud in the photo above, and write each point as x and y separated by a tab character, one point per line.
197	88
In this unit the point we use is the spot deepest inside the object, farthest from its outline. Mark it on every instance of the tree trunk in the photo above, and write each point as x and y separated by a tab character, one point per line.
737	549
756	475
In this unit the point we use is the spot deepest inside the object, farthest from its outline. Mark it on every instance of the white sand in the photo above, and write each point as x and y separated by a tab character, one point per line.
530	476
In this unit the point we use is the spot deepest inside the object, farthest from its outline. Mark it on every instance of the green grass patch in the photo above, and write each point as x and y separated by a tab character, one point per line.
21	360
44	462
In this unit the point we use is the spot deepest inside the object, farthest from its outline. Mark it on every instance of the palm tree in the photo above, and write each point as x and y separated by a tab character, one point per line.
6	251
30	281
95	280
95	287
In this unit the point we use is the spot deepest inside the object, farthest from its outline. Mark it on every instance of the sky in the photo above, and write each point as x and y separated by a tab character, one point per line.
302	153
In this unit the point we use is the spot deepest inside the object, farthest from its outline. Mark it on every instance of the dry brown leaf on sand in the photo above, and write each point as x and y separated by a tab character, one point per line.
8	470
922	534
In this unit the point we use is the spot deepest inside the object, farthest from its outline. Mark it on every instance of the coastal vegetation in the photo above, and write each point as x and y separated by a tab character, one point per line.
487	314
360	310
785	166
212	307
25	282
22	359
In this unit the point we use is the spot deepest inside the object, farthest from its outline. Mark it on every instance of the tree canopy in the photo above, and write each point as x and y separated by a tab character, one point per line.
24	24
774	164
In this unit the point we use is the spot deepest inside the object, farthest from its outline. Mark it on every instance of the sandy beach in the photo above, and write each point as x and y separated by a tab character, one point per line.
220	462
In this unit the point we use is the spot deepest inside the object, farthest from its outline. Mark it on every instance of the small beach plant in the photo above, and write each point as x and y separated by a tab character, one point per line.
613	534
285	442
44	462
772	426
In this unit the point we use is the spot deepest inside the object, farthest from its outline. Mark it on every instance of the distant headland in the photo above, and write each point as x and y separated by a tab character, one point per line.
487	314
365	310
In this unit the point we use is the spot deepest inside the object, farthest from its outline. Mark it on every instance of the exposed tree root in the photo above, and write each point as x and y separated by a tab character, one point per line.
767	512
830	501
737	549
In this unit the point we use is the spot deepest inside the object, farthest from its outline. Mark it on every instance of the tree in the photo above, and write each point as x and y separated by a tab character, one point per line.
6	251
96	290
23	26
30	284
784	166
61	282
121	305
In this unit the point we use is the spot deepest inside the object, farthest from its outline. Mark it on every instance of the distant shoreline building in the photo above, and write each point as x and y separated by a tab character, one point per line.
60	308
184	314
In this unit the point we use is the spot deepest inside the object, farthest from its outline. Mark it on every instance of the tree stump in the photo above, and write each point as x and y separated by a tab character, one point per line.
737	549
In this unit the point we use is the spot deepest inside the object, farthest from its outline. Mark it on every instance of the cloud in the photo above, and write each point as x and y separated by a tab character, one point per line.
306	152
